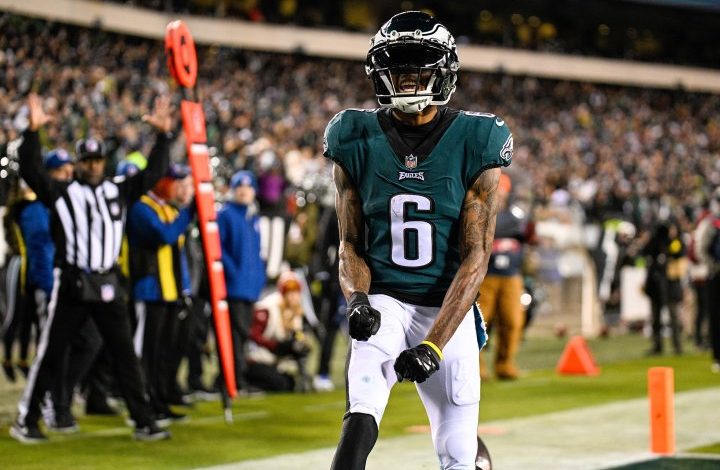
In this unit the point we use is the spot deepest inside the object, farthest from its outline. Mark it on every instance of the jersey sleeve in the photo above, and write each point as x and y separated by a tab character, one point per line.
340	142
494	147
499	148
331	139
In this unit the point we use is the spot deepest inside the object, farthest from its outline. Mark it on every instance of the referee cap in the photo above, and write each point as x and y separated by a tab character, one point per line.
89	148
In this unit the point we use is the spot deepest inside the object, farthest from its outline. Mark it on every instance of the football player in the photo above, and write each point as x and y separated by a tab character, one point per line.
416	203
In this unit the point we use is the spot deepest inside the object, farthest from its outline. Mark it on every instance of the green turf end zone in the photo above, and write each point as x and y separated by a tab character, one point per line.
673	463
711	449
291	423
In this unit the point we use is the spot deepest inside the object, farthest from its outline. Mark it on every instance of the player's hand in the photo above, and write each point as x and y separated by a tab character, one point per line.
37	116
161	117
363	320
417	364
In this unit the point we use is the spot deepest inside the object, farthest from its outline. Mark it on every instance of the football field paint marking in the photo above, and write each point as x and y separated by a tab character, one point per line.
661	385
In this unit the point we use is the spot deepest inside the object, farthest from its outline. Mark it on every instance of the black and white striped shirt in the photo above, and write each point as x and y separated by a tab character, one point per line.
88	222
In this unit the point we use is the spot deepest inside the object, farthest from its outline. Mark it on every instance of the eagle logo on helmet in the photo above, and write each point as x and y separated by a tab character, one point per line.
412	62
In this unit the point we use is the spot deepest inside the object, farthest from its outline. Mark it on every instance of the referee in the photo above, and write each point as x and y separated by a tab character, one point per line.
87	224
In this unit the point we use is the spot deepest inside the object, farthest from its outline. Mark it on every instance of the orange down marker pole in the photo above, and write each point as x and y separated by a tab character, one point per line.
661	389
182	63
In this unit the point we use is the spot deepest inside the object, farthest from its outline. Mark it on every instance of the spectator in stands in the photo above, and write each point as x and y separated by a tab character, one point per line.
278	345
238	224
671	138
160	281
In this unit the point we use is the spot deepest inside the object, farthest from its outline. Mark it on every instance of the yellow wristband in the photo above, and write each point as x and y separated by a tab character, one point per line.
434	348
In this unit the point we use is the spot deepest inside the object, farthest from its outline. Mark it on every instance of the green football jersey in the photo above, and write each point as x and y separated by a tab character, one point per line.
412	209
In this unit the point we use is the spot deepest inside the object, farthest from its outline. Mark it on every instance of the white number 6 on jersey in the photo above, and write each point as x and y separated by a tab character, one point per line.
400	230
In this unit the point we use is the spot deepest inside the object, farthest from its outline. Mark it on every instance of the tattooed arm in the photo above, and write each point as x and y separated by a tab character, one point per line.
477	231
354	271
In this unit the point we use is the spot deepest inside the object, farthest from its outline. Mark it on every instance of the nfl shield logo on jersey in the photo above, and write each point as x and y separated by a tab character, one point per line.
411	161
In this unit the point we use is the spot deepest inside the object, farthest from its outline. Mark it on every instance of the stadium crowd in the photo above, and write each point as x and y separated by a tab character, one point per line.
585	151
652	31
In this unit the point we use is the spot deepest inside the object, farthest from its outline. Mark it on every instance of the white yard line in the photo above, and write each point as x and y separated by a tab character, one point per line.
589	438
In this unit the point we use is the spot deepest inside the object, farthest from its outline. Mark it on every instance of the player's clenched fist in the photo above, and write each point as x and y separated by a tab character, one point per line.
418	363
363	320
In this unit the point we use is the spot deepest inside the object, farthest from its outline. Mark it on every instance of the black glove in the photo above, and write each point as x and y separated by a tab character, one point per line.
417	364
364	321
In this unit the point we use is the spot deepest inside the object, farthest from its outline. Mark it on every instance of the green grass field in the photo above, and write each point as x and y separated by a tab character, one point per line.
277	424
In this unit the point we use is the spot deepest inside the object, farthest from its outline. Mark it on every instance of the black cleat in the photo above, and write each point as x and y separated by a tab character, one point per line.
151	433
64	423
27	434
165	418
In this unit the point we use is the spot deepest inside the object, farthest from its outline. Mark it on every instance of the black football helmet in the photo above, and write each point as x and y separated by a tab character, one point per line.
412	62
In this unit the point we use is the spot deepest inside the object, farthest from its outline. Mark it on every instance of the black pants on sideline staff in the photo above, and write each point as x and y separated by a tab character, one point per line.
65	316
198	343
178	351
84	347
240	318
157	329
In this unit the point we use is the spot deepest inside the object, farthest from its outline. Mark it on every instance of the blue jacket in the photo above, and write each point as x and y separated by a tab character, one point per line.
147	235
34	222
240	241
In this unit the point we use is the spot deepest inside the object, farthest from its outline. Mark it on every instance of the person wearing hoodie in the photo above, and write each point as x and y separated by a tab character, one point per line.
238	224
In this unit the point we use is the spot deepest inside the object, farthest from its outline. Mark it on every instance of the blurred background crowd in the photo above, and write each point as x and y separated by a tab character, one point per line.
636	30
610	176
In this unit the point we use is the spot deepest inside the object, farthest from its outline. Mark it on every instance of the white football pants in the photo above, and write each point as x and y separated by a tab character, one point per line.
451	396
